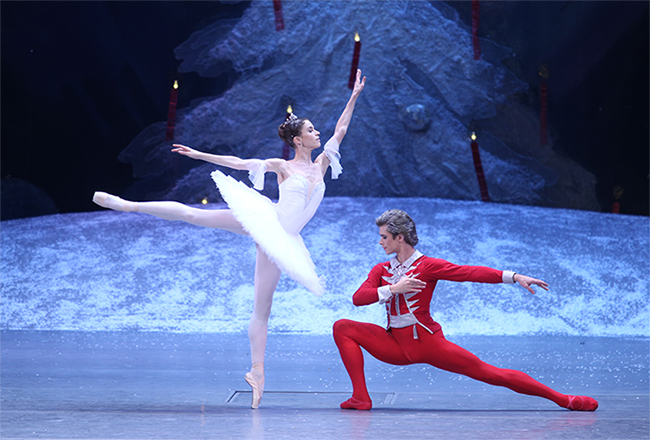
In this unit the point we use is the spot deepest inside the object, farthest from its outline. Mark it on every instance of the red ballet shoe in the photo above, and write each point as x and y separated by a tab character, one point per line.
353	403
582	403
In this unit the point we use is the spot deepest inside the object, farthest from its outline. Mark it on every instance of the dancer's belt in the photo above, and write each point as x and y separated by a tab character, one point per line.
401	321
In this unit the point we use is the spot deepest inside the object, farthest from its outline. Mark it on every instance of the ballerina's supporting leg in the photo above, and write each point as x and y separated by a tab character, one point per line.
174	211
267	276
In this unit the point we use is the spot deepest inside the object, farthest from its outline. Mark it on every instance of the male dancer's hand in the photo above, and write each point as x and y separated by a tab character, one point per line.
527	281
408	285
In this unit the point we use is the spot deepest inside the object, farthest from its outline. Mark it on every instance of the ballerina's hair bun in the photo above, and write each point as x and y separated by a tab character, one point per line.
290	128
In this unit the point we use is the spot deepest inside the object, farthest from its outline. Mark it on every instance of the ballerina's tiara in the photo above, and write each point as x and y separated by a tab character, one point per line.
290	118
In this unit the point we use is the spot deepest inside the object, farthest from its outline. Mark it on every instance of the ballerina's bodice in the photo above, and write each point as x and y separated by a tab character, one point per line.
297	204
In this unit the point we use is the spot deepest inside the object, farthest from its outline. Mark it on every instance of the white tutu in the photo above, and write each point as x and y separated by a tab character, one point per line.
258	216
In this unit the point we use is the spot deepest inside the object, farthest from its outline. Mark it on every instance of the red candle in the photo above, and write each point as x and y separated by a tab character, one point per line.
279	20
543	100
543	91
475	20
171	113
355	61
618	193
478	166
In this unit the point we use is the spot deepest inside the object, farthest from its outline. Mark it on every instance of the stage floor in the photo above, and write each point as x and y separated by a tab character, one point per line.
146	385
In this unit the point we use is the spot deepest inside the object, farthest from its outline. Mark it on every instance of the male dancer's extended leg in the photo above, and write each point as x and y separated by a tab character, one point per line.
219	218
267	276
435	350
350	336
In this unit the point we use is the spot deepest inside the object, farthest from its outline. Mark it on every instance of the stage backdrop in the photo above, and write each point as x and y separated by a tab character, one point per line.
118	271
410	133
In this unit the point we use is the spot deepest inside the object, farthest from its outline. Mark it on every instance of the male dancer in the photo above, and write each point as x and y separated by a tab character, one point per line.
405	284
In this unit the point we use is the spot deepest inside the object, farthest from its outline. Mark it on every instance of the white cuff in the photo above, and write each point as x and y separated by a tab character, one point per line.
331	150
384	294
508	277
256	169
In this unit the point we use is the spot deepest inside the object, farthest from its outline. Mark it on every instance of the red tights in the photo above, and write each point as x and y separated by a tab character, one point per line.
399	347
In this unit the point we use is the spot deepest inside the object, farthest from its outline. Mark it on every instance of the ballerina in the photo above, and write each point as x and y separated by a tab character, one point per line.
275	228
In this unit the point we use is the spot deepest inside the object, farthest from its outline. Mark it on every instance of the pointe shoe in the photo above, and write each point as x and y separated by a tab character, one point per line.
257	387
353	403
582	403
109	201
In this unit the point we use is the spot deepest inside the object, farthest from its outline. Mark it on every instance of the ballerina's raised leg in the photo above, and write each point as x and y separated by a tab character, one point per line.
174	211
267	273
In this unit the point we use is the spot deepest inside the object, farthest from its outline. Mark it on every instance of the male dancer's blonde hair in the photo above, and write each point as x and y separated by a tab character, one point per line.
399	222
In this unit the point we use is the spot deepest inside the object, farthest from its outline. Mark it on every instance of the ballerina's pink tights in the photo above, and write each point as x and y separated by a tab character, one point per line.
399	347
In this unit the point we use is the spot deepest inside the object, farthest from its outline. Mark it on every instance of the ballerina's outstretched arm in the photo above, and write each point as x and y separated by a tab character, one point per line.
344	120
330	155
256	167
217	159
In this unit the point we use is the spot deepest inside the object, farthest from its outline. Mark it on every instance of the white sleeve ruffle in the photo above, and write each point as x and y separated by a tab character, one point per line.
331	150
256	170
384	294
508	276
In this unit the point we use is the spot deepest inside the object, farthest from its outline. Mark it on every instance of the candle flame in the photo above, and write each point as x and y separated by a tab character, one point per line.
289	109
356	36
473	136
175	84
204	201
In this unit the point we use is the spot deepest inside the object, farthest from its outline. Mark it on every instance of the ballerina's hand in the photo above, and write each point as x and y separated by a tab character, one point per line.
185	151
359	84
527	281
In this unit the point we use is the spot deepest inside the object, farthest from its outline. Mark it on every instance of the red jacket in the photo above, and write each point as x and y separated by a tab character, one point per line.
408	309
